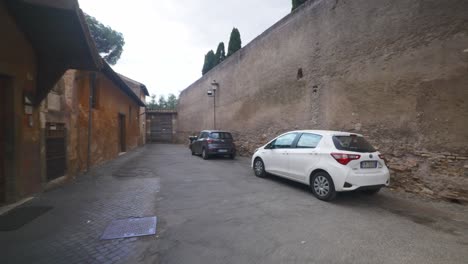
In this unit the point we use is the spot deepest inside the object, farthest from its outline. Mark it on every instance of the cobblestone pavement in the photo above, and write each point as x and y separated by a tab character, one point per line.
70	232
216	211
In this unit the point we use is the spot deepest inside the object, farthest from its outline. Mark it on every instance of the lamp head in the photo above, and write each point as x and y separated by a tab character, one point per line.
214	84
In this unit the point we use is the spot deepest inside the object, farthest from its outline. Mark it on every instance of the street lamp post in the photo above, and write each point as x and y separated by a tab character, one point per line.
214	109
212	93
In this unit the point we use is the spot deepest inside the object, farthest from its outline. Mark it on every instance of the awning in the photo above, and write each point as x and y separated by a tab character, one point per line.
60	37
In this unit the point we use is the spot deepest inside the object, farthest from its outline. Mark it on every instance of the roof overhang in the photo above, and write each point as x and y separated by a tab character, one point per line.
135	83
117	80
59	36
145	90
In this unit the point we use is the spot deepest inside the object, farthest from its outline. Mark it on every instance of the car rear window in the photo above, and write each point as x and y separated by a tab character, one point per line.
221	135
352	143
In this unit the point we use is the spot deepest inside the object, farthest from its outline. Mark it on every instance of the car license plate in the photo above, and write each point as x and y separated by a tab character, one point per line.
222	150
368	164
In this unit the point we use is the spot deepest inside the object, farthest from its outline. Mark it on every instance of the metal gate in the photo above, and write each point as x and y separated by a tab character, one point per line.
161	128
55	150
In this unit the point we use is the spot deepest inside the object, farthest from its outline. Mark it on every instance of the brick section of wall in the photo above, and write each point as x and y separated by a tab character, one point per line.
105	134
393	71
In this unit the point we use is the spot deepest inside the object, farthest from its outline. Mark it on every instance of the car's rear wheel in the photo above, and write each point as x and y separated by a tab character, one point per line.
259	168
232	156
204	154
322	186
191	149
371	191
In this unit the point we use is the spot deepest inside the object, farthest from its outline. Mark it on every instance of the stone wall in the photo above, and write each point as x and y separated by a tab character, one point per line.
395	71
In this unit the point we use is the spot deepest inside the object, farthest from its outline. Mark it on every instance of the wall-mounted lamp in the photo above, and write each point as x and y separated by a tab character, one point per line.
215	85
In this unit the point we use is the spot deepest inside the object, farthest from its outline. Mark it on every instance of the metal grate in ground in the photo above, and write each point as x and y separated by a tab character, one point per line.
134	173
130	227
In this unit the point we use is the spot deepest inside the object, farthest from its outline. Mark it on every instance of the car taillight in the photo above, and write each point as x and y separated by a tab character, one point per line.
345	158
209	141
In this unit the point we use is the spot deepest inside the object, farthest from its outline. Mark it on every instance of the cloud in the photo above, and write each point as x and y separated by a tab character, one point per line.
166	40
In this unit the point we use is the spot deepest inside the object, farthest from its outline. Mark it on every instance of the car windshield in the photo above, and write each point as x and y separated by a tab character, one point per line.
221	135
352	143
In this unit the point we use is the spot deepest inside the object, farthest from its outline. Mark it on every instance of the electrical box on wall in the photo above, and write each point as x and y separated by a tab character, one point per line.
28	109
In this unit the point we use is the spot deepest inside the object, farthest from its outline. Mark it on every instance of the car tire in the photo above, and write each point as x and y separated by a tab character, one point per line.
259	168
204	154
232	156
322	186
371	191
193	152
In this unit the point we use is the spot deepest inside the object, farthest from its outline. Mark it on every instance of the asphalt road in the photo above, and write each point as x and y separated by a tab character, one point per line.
217	211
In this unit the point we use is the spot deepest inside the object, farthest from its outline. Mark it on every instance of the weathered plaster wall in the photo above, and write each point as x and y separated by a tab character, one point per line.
23	149
395	71
136	88
111	102
142	120
60	106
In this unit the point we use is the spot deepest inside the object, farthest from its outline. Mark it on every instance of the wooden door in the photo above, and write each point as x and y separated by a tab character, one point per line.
122	134
55	150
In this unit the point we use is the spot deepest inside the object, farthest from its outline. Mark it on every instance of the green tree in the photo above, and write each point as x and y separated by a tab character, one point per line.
210	62
235	42
171	102
109	42
220	53
152	104
297	3
162	103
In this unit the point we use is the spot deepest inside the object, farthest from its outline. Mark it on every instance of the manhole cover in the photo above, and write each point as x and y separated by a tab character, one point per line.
131	227
20	216
134	173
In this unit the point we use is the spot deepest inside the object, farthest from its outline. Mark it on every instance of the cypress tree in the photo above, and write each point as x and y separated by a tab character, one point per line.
297	3
235	42
220	53
210	62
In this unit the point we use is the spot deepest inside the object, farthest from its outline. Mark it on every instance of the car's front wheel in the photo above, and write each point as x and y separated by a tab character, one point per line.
191	149
322	186
259	168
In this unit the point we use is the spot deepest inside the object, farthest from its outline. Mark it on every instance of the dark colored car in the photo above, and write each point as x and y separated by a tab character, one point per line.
213	143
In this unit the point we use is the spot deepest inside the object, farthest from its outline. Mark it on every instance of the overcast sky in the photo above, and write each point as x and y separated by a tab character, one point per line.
166	40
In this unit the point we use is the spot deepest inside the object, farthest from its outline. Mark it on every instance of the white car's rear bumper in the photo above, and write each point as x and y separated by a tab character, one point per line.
346	179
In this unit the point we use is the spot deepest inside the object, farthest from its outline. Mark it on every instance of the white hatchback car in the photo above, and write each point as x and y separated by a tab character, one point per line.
327	161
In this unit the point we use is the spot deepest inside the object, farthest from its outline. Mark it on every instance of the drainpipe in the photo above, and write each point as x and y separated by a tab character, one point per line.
92	83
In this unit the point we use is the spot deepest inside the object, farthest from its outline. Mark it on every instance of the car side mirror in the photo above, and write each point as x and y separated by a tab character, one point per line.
269	146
